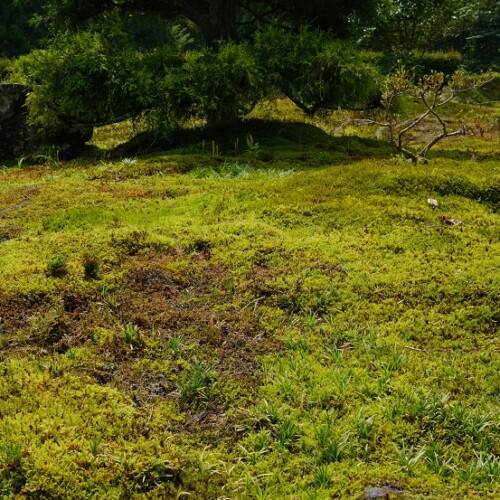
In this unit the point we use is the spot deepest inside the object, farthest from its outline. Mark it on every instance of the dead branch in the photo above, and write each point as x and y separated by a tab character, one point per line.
15	207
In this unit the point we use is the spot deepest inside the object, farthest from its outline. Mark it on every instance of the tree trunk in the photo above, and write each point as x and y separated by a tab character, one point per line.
216	19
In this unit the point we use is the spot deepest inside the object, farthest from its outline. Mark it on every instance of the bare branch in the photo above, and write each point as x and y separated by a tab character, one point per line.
413	124
367	121
425	149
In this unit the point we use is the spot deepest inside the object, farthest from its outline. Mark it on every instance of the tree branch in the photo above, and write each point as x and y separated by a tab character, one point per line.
308	111
256	16
440	137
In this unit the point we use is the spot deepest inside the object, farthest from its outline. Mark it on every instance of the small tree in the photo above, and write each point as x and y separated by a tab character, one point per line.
432	93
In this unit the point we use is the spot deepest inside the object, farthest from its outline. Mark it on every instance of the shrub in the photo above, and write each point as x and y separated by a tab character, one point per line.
82	79
434	91
439	62
212	84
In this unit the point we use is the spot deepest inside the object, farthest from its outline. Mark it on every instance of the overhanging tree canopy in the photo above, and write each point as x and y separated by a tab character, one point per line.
215	19
406	26
91	73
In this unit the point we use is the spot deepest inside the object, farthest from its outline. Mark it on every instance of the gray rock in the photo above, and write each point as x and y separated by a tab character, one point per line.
377	493
18	138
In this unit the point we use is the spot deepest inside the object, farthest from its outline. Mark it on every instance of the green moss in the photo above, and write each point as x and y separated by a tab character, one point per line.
266	322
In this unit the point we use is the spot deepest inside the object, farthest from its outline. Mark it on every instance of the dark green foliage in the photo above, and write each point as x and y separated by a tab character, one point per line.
91	77
102	73
343	17
148	31
406	30
403	26
5	68
216	19
315	71
482	47
214	85
440	62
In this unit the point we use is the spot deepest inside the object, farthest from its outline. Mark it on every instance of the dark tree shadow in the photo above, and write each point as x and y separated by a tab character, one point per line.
265	139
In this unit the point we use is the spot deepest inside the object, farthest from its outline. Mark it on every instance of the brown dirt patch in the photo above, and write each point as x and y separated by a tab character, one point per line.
209	310
15	315
203	305
199	300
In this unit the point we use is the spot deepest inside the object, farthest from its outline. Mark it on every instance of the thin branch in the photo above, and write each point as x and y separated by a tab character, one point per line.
368	121
413	124
445	133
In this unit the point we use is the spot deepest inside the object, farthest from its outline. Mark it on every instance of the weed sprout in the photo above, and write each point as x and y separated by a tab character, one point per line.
57	267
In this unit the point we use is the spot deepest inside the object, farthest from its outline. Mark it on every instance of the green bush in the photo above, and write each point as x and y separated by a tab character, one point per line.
482	41
316	71
440	62
88	78
216	85
82	79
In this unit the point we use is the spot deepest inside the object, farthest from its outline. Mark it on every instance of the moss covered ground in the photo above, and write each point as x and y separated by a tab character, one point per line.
276	313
